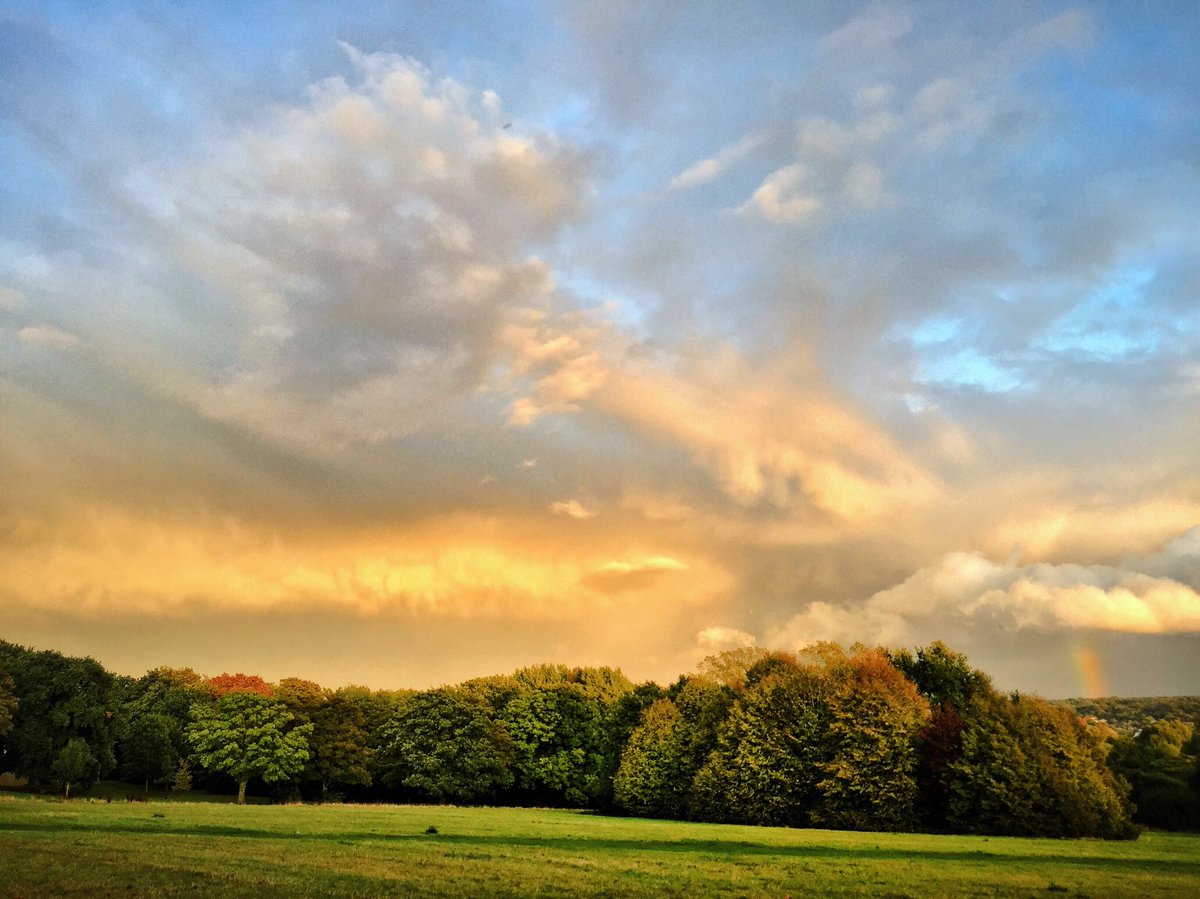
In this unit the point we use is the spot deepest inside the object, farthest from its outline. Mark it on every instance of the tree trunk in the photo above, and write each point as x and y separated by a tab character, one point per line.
324	789
66	791
241	792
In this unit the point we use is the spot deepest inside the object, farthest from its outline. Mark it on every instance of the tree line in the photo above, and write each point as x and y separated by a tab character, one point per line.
862	739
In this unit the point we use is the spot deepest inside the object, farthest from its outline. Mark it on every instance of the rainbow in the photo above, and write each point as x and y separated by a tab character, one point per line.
1090	668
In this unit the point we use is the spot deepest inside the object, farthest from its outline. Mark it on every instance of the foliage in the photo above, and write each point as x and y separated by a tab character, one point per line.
1160	762
729	668
8	706
861	739
339	743
1131	714
148	753
764	767
620	721
181	780
1032	769
558	741
224	684
943	676
443	746
669	748
74	764
868	776
60	699
248	735
651	780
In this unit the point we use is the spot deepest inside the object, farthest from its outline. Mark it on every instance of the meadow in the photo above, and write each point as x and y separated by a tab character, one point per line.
89	847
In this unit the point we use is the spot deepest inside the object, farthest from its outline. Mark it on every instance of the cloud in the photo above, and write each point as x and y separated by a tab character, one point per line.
560	360
572	508
47	336
709	169
623	576
376	242
1157	594
766	437
715	639
781	198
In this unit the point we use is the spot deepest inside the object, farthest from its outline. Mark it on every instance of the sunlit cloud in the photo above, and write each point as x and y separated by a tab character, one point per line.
1156	594
572	508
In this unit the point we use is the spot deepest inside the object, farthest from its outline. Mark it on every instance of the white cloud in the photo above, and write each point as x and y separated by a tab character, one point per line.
1158	594
376	239
708	169
781	198
572	508
47	336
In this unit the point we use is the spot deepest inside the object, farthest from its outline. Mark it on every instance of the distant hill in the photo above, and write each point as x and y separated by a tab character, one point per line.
1123	713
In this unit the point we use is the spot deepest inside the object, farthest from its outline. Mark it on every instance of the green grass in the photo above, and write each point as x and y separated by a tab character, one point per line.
51	848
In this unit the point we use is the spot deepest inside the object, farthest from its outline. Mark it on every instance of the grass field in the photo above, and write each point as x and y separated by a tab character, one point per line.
51	848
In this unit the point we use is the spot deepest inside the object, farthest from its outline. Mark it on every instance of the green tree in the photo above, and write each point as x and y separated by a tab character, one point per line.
868	778
653	779
1027	768
620	721
442	745
60	698
665	751
766	762
558	741
1160	763
8	708
74	764
181	780
247	735
148	753
341	752
154	715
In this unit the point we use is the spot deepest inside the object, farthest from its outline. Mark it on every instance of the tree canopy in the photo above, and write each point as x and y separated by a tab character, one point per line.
864	738
245	735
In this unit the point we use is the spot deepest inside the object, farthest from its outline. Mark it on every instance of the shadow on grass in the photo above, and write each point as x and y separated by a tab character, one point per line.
721	849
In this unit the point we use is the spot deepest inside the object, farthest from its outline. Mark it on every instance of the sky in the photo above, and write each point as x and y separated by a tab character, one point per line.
397	344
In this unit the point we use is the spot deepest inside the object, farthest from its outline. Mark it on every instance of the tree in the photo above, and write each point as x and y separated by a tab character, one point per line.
1027	768
74	763
1160	763
8	708
340	747
868	778
249	735
302	697
60	699
181	780
224	684
655	773
676	735
621	720
147	751
943	676
154	715
767	759
558	741
443	746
